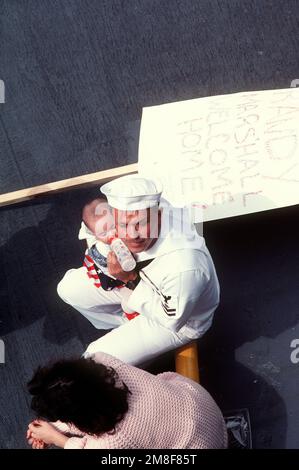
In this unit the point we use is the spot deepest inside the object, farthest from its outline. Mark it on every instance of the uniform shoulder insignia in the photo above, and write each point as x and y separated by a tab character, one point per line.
169	304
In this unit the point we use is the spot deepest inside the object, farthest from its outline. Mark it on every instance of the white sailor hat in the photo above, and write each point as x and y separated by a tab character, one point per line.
132	192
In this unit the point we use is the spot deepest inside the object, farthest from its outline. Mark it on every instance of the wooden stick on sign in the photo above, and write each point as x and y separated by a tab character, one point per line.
100	177
186	361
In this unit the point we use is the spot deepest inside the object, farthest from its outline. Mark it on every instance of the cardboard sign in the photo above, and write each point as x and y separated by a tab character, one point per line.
229	155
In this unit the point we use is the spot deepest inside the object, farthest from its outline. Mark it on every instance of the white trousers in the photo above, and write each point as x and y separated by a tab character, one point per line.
135	341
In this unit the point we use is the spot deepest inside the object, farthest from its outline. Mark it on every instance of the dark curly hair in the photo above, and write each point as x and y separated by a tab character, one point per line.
81	392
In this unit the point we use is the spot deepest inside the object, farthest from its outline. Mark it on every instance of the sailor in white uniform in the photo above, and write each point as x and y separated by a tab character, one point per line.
175	292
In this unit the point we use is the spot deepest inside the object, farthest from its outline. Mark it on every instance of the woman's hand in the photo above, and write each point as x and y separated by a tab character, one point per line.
47	433
35	443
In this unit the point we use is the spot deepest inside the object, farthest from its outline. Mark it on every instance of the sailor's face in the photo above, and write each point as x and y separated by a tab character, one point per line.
137	229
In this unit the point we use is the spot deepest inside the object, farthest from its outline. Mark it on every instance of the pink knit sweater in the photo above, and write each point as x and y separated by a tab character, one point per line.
166	411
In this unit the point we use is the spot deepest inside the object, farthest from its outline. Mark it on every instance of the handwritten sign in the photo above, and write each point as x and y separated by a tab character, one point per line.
230	154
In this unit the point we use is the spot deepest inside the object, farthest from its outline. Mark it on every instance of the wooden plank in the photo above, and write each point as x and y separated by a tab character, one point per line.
186	361
99	177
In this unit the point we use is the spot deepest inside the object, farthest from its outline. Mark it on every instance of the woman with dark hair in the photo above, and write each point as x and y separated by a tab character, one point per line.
103	403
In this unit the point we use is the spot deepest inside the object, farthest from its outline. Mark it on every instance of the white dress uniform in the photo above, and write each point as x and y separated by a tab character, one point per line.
177	294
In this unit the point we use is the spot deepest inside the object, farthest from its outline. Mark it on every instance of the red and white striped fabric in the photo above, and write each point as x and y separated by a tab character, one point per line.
89	264
130	316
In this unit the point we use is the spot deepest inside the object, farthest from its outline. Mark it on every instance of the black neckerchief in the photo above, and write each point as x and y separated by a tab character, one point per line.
108	283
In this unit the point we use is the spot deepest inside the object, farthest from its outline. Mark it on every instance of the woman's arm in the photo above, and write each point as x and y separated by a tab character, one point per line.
67	428
47	433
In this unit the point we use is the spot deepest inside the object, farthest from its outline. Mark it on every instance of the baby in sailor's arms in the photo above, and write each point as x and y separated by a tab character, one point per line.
97	228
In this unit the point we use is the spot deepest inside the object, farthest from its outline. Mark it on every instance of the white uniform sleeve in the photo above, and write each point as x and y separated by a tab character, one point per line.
174	301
